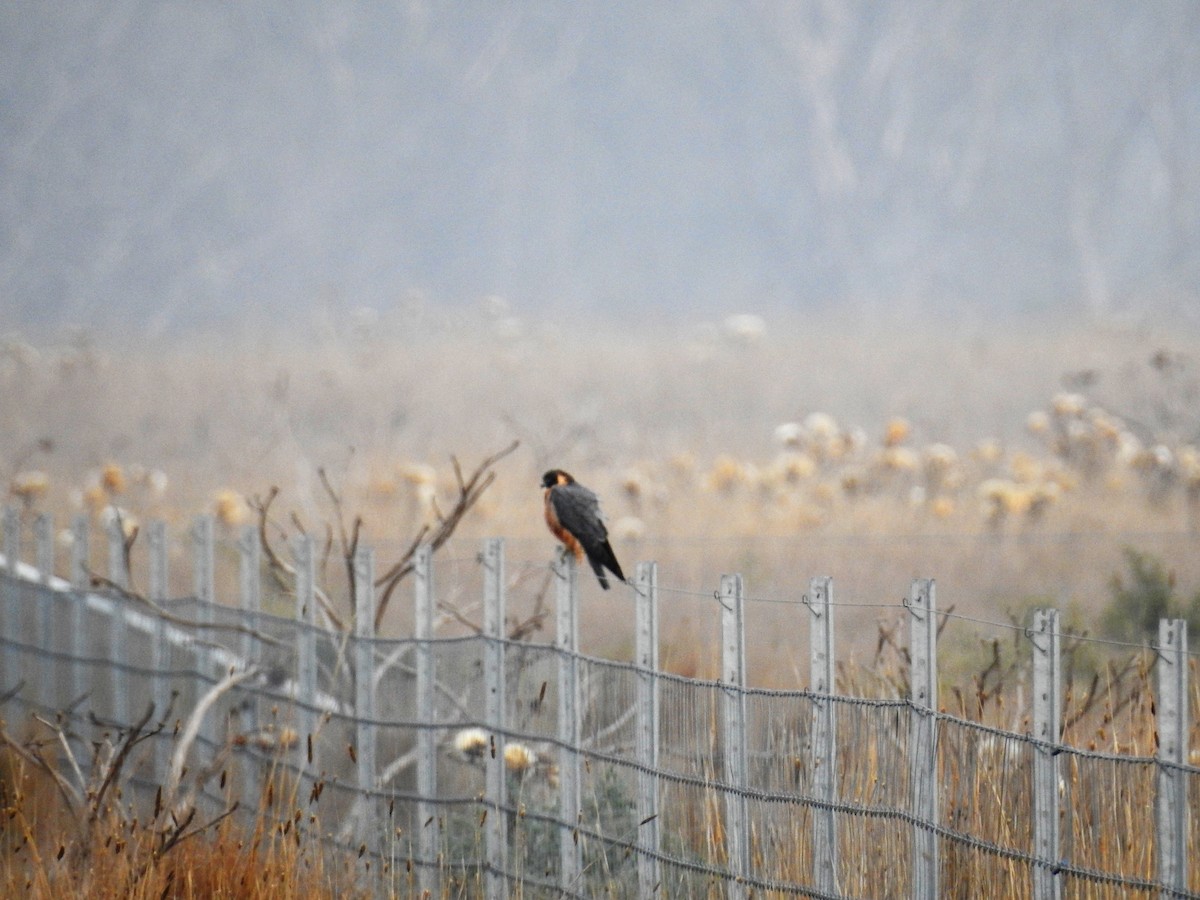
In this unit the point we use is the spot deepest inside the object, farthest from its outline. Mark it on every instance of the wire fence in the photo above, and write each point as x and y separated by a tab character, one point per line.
477	762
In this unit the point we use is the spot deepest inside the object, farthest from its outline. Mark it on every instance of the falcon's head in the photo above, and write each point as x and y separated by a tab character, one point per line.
555	477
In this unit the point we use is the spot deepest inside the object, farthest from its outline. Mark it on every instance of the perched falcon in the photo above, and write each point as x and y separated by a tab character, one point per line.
573	514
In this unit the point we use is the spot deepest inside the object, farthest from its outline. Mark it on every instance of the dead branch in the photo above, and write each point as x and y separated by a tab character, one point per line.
113	769
469	491
348	544
173	837
523	629
188	736
278	567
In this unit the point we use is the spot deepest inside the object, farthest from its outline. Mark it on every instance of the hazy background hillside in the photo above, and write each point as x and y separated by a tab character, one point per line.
166	165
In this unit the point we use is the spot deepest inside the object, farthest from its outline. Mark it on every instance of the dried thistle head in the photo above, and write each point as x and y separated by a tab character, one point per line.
229	507
472	743
518	758
30	486
112	478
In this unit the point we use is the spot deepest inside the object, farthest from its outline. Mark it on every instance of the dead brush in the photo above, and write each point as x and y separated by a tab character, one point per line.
71	829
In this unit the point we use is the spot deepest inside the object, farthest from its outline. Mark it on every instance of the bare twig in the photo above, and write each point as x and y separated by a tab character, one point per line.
523	629
263	507
348	545
188	736
113	769
469	491
278	567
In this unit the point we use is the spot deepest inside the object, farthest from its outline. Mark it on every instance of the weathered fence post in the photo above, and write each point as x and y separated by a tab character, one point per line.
156	542
250	591
81	546
733	678
12	539
203	566
364	697
429	841
81	534
250	588
1047	731
566	640
306	654
12	618
118	574
204	584
118	570
824	743
43	542
81	676
1171	802
646	614
495	703
922	751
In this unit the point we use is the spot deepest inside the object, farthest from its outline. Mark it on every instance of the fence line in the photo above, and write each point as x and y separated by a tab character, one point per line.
516	762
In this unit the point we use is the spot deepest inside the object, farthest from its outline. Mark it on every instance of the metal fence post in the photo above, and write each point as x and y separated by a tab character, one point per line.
306	653
204	583
824	745
156	542
922	751
1171	719
566	640
12	539
250	590
364	696
81	534
646	613
203	566
496	824
80	579
12	557
733	678
118	570
43	538
1047	730
118	574
429	841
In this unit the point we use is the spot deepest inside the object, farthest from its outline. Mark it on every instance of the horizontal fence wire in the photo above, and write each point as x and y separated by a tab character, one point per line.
131	653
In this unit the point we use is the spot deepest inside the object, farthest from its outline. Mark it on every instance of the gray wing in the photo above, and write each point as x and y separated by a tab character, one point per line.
578	511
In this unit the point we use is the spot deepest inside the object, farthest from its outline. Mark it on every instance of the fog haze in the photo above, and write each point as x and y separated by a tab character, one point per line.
171	165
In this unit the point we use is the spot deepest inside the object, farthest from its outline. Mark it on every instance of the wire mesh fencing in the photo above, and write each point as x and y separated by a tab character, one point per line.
475	760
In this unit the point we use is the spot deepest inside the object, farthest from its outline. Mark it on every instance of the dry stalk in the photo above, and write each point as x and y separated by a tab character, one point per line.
469	491
277	567
188	735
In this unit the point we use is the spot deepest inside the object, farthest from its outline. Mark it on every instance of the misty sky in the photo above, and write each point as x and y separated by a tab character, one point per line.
171	164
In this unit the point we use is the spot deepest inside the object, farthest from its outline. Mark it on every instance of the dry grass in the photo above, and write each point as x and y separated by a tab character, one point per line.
119	856
986	789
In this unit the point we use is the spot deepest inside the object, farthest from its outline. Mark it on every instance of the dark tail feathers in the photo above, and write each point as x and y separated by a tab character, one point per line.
603	557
